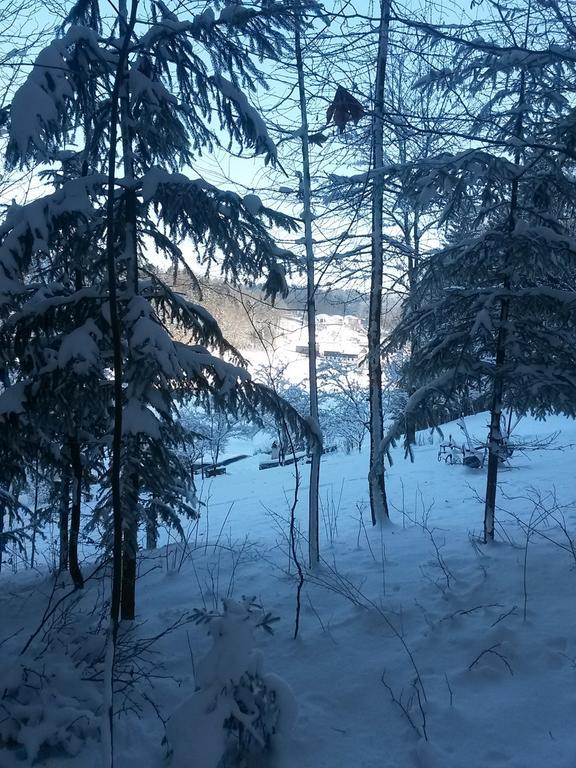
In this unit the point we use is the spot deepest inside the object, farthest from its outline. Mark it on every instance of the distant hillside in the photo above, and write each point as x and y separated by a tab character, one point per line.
244	315
333	302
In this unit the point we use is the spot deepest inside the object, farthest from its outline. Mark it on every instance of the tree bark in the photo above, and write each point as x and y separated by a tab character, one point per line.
313	526
116	329
130	540
35	514
76	461
412	238
151	533
128	601
2	513
130	505
495	433
63	519
376	480
115	325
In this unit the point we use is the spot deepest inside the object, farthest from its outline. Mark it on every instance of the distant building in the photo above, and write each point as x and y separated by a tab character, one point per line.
338	337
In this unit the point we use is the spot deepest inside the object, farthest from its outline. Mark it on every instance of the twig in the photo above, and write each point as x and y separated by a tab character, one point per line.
450	691
493	651
503	616
400	704
50	612
467	611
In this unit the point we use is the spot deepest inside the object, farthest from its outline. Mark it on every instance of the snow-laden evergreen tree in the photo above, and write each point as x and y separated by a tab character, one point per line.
496	308
118	109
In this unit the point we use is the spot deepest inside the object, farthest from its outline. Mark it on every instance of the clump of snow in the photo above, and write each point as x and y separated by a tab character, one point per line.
257	133
80	347
157	176
253	204
206	18
137	419
40	712
143	88
37	103
235	13
13	398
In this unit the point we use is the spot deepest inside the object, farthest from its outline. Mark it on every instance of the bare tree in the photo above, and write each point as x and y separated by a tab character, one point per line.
376	481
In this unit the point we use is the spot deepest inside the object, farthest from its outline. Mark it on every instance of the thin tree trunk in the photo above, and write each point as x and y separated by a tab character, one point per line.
63	519
413	242
313	526
2	513
151	532
128	601
115	326
35	515
76	461
130	529
495	434
376	481
130	533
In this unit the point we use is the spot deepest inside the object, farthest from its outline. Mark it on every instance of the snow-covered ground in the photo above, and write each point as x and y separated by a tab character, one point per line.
418	646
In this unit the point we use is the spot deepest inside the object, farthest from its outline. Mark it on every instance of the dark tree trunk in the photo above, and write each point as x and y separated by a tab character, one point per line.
64	517
130	537
151	531
35	516
495	435
76	461
129	551
376	482
116	328
132	480
2	512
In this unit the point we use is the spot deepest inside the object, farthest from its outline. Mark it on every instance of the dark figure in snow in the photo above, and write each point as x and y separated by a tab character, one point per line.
471	459
275	452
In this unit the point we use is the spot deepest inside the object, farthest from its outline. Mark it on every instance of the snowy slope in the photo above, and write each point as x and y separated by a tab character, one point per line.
418	646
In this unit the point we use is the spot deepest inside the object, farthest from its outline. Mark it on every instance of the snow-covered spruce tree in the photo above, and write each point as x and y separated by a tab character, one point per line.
155	83
238	710
496	308
55	391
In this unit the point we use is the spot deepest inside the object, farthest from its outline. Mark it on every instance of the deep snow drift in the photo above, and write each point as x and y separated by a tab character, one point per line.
418	645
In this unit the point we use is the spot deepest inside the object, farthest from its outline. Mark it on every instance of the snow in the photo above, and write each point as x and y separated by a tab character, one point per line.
143	88
206	18
13	399
493	640
80	348
157	176
235	13
137	419
36	104
253	204
196	359
258	135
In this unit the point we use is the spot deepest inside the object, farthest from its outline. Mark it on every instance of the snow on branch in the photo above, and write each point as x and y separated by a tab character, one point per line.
36	106
251	129
223	226
30	229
